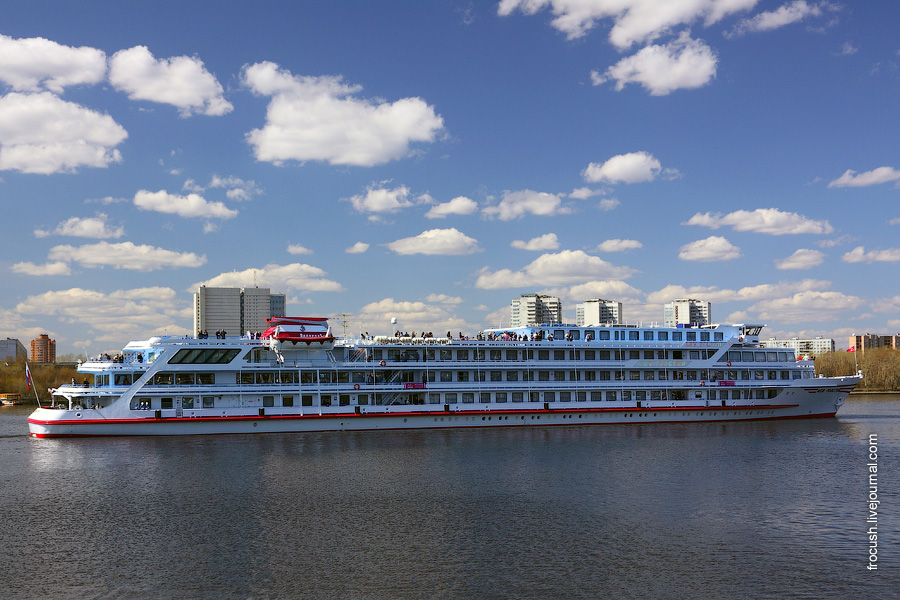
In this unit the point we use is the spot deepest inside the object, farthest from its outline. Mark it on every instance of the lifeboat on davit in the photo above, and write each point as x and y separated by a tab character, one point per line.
297	330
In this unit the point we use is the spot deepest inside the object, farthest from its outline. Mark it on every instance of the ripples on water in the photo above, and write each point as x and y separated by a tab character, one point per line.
768	509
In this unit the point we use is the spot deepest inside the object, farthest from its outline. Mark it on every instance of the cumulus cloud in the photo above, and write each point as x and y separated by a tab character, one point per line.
236	188
611	289
52	268
88	227
617	245
437	241
357	248
323	119
683	63
40	133
807	306
443	299
421	316
287	278
762	220
783	15
634	21
298	249
873	177
634	167
859	254
125	255
548	241
711	249
516	205
181	81
458	206
190	206
749	293
608	204
583	193
382	199
801	259
34	64
563	268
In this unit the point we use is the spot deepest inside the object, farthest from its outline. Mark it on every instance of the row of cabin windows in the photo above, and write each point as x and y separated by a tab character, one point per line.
634	335
757	356
497	355
126	379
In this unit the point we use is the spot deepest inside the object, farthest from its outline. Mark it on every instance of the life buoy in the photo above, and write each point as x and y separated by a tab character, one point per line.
702	383
728	364
382	363
355	386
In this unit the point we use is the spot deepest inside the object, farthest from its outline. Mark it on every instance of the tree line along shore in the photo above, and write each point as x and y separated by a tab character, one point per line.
881	370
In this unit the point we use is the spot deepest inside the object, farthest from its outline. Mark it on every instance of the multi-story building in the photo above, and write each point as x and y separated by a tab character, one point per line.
687	311
871	341
535	309
802	347
235	310
43	349
598	312
12	349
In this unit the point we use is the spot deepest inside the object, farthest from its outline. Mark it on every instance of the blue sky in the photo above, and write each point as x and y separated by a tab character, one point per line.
431	161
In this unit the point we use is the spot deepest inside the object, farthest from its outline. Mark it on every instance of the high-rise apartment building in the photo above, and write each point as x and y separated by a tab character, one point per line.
598	312
12	349
43	349
687	311
235	310
802	347
871	341
534	309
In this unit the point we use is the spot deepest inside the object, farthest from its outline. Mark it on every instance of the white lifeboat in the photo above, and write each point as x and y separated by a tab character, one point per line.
295	330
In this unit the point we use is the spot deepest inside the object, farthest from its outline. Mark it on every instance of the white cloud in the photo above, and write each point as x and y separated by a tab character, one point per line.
190	206
320	118
181	81
458	206
635	21
237	188
443	299
53	268
634	167
873	177
32	64
608	204
548	241
807	306
298	249
89	227
859	254
801	259
515	205
848	49
39	133
762	220
713	248
437	241
125	255
617	245
774	19
279	278
683	63
357	248
748	293
895	221
382	200
609	289
411	316
563	268
583	193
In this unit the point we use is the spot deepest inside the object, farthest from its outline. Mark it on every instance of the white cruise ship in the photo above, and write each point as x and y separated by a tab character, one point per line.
298	377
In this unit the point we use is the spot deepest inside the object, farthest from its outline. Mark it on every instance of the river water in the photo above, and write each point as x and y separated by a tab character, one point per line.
751	510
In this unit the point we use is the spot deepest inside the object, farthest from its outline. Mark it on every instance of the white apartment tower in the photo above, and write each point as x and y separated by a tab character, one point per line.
687	311
534	309
598	312
236	310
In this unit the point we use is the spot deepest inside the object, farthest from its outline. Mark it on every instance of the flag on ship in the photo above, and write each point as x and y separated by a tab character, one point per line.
27	376
851	349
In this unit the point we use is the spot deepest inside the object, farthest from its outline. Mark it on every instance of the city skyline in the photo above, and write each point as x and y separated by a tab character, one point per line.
430	162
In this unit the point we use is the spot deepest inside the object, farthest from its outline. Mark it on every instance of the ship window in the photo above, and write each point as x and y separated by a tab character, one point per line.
446	354
434	398
325	377
603	335
649	375
362	399
287	400
245	378
517	397
268	401
306	400
610	396
590	355
343	377
462	375
123	378
165	402
648	336
468	397
757	375
559	334
565	396
677	336
634	335
634	375
446	375
760	356
512	355
206	378
559	355
543	355
580	396
691	336
393	355
429	354
344	399
462	355
325	399
450	397
187	402
604	355
773	374
496	355
184	379
308	377
549	396
785	375
640	396
512	375
576	334
479	376
648	354
288	376
590	375
692	375
718	336
543	375
604	376
662	336
559	375
662	376
496	376
164	378
485	398
694	355
204	356
747	356
626	395
634	354
704	336
500	397
732	375
209	402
